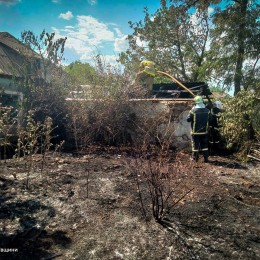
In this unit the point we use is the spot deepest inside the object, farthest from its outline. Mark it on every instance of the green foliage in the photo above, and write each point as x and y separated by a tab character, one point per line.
81	73
172	38
34	138
7	122
235	44
191	43
216	89
241	125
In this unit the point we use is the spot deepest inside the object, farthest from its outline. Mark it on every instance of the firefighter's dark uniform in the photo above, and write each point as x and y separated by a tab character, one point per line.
199	118
214	125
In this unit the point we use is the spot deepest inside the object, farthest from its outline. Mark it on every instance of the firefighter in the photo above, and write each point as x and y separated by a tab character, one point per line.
145	76
199	116
214	125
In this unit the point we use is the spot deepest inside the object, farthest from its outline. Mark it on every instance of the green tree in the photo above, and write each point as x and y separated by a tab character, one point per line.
241	125
235	44
175	37
81	73
190	43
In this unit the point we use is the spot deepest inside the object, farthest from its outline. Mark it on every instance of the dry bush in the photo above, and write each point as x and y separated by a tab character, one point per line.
106	112
158	169
101	113
156	126
159	180
106	122
7	130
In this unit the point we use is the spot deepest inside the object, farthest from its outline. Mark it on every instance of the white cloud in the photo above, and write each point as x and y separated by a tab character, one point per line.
91	29
118	32
121	44
141	43
110	63
92	2
66	16
210	10
90	36
9	2
195	18
69	27
108	59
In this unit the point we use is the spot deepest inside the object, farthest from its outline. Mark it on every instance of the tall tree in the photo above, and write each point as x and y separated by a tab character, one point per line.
235	44
175	37
191	44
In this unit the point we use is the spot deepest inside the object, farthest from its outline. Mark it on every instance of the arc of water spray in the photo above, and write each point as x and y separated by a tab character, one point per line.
174	79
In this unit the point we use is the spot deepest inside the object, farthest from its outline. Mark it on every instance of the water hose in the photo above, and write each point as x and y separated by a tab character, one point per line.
174	79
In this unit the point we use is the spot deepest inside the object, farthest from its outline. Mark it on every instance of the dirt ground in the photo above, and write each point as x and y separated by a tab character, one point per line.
88	207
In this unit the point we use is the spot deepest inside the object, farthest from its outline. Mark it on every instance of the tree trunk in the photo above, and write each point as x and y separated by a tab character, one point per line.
241	46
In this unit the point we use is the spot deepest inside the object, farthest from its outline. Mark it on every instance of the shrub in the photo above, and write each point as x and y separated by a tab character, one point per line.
241	126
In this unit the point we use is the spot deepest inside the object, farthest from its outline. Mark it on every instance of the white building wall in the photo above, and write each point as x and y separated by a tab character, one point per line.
169	116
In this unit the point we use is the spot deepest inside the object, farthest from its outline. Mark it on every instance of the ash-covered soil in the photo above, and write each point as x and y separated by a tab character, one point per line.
89	207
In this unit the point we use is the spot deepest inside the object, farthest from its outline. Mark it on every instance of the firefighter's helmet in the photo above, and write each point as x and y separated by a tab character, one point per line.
198	100
218	104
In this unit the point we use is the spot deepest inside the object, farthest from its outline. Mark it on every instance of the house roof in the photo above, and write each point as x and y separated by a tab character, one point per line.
13	55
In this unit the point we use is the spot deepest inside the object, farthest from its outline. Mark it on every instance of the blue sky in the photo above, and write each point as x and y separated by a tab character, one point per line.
91	26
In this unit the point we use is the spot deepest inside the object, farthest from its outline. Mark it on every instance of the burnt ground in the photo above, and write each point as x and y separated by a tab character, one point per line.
88	207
